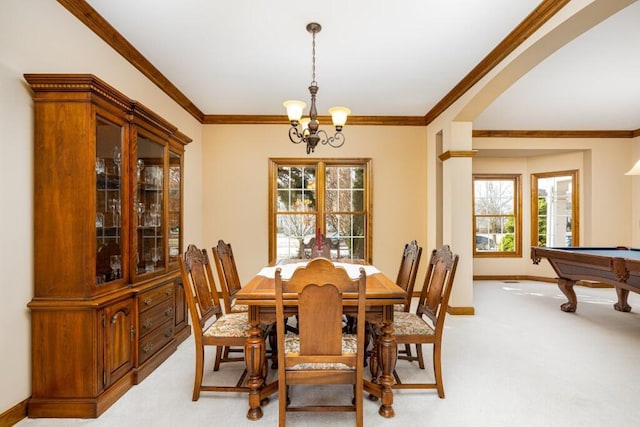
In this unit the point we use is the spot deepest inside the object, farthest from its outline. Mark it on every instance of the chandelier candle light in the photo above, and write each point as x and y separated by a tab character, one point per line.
310	134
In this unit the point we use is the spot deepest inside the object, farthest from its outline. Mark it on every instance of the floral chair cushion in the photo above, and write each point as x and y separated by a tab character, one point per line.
398	307
239	308
407	324
229	325
349	345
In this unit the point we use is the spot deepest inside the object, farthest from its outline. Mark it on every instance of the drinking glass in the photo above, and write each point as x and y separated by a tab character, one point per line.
117	159
155	255
114	204
99	165
140	210
116	265
99	220
139	168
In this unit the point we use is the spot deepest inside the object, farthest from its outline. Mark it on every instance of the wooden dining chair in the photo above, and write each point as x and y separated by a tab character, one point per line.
407	272
228	277
426	324
320	354
229	286
210	326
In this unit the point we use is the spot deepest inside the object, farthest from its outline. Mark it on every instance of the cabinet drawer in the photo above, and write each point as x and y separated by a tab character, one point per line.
155	316
155	296
154	341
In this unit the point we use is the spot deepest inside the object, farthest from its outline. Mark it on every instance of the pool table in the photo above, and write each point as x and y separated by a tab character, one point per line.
616	266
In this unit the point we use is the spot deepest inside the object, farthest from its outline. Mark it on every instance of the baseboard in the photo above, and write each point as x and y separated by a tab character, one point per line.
14	414
461	311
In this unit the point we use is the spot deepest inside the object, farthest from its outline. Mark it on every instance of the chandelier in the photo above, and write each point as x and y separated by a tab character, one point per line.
306	129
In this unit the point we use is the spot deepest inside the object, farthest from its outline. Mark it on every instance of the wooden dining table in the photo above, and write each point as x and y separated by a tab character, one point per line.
259	295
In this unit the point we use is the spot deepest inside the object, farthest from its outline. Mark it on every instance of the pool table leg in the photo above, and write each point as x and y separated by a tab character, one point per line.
566	286
622	304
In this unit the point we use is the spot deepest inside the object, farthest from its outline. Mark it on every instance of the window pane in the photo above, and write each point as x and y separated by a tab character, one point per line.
345	189
296	189
301	204
350	231
495	208
555	211
292	229
494	197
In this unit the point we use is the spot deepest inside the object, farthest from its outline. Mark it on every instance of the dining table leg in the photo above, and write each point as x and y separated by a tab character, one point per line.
387	349
382	364
254	354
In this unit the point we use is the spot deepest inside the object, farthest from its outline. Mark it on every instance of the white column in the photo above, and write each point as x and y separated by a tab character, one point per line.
457	193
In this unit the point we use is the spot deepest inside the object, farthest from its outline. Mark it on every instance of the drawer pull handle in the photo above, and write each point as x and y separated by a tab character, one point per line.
148	347
169	292
168	312
168	333
148	323
148	301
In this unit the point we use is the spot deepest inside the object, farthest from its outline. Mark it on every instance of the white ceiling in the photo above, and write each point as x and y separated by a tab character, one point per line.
380	58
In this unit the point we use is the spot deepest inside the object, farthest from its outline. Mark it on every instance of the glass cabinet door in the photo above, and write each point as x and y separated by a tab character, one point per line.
148	206
108	201
175	202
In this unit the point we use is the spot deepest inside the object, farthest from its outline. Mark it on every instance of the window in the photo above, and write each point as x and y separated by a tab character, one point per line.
496	215
330	196
554	209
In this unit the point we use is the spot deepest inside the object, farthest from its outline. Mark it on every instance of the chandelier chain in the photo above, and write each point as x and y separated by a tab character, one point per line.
313	60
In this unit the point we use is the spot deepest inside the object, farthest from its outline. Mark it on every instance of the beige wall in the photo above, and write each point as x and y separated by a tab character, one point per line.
40	36
235	182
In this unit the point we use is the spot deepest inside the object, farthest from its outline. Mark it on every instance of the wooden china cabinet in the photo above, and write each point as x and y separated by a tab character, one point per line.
108	303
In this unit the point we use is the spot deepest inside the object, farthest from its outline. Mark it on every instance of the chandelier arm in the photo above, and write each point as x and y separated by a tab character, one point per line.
335	141
294	135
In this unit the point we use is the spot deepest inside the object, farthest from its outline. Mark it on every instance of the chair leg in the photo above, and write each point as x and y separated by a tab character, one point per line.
216	365
420	357
273	343
197	383
407	349
437	368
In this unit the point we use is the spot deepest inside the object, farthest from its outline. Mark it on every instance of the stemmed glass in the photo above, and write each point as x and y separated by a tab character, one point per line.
115	211
140	210
116	265
155	255
139	168
155	214
117	159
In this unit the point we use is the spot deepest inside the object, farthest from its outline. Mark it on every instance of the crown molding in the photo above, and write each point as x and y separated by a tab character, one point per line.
230	119
555	133
539	16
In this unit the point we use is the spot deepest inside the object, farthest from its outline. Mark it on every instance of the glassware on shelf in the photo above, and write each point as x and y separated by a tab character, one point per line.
117	160
154	209
116	266
156	255
99	165
114	204
99	220
140	210
139	168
